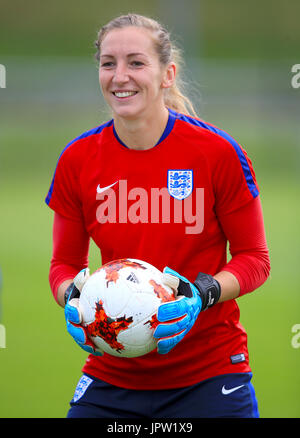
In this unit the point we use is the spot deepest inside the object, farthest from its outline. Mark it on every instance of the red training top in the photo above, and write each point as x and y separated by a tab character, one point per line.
176	204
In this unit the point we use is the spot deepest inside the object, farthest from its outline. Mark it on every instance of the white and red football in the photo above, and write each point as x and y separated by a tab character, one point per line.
119	305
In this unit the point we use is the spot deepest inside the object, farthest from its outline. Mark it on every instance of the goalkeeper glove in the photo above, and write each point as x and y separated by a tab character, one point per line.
74	317
178	317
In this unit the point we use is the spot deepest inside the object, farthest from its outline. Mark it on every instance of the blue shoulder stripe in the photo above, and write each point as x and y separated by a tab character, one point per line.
86	134
244	163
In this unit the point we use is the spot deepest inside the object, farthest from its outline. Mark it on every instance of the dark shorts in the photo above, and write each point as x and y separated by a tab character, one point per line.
225	396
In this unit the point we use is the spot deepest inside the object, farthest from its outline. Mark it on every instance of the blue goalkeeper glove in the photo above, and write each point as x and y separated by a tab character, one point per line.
73	315
178	317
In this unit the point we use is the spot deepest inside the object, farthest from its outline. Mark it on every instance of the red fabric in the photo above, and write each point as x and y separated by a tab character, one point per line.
245	232
188	235
250	261
70	251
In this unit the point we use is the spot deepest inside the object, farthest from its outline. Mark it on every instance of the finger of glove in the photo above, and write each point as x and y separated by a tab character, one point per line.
170	281
87	344
77	333
169	271
167	329
90	350
165	345
172	310
183	285
81	278
72	312
81	338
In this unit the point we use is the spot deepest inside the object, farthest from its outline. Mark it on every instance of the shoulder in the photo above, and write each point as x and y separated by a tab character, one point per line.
207	132
217	144
76	148
222	151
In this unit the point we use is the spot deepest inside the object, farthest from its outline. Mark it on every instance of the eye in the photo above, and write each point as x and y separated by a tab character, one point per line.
107	64
136	63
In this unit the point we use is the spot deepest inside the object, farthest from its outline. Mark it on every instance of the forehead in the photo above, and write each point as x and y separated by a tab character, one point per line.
128	40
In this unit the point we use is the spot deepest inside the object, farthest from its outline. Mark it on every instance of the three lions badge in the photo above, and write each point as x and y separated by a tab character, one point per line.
180	183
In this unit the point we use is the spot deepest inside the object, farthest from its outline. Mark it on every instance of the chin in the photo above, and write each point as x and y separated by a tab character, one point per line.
128	113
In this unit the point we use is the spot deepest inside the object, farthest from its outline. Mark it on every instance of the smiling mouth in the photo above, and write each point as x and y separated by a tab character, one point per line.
124	94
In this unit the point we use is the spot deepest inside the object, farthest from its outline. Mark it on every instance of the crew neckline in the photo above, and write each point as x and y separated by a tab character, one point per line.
167	130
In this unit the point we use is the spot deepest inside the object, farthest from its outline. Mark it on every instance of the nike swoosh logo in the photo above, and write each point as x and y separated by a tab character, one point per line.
102	189
229	391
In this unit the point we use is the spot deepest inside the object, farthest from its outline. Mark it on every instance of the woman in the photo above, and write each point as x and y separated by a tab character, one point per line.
103	189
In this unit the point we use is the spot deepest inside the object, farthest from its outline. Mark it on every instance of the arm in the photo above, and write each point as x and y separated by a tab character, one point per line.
247	270
250	264
60	296
69	255
69	268
230	287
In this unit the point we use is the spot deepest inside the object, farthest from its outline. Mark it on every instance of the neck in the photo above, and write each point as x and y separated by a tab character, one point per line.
141	133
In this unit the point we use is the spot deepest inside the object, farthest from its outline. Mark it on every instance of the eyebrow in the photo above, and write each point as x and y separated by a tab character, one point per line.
129	55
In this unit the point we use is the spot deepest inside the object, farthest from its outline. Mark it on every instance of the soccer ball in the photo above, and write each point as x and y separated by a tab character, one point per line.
119	305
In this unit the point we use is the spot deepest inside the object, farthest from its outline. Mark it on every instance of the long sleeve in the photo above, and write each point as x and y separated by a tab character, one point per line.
250	263
70	251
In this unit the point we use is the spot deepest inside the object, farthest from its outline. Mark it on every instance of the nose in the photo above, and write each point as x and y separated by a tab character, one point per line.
121	74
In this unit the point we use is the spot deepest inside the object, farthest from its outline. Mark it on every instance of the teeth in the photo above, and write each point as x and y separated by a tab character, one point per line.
125	93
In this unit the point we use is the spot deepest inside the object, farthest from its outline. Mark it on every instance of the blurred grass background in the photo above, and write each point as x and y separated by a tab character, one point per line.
238	61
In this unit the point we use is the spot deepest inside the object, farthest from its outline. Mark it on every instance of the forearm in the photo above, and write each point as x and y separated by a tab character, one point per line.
70	255
249	266
60	295
230	287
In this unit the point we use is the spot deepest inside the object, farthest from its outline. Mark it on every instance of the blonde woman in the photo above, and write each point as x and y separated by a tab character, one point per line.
209	197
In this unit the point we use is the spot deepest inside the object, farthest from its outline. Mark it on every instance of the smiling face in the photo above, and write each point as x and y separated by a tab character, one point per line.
130	74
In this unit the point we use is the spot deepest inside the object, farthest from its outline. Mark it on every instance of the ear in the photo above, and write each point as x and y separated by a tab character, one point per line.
169	76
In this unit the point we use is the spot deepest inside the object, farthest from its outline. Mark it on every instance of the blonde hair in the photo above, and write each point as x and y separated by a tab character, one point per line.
167	51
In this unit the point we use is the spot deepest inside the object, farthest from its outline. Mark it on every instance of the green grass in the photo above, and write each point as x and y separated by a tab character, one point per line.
267	30
41	364
269	313
34	365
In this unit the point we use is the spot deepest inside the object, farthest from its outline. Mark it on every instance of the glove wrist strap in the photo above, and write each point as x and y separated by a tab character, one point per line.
209	289
71	292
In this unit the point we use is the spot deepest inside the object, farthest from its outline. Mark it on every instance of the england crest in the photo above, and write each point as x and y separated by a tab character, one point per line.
81	387
180	183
